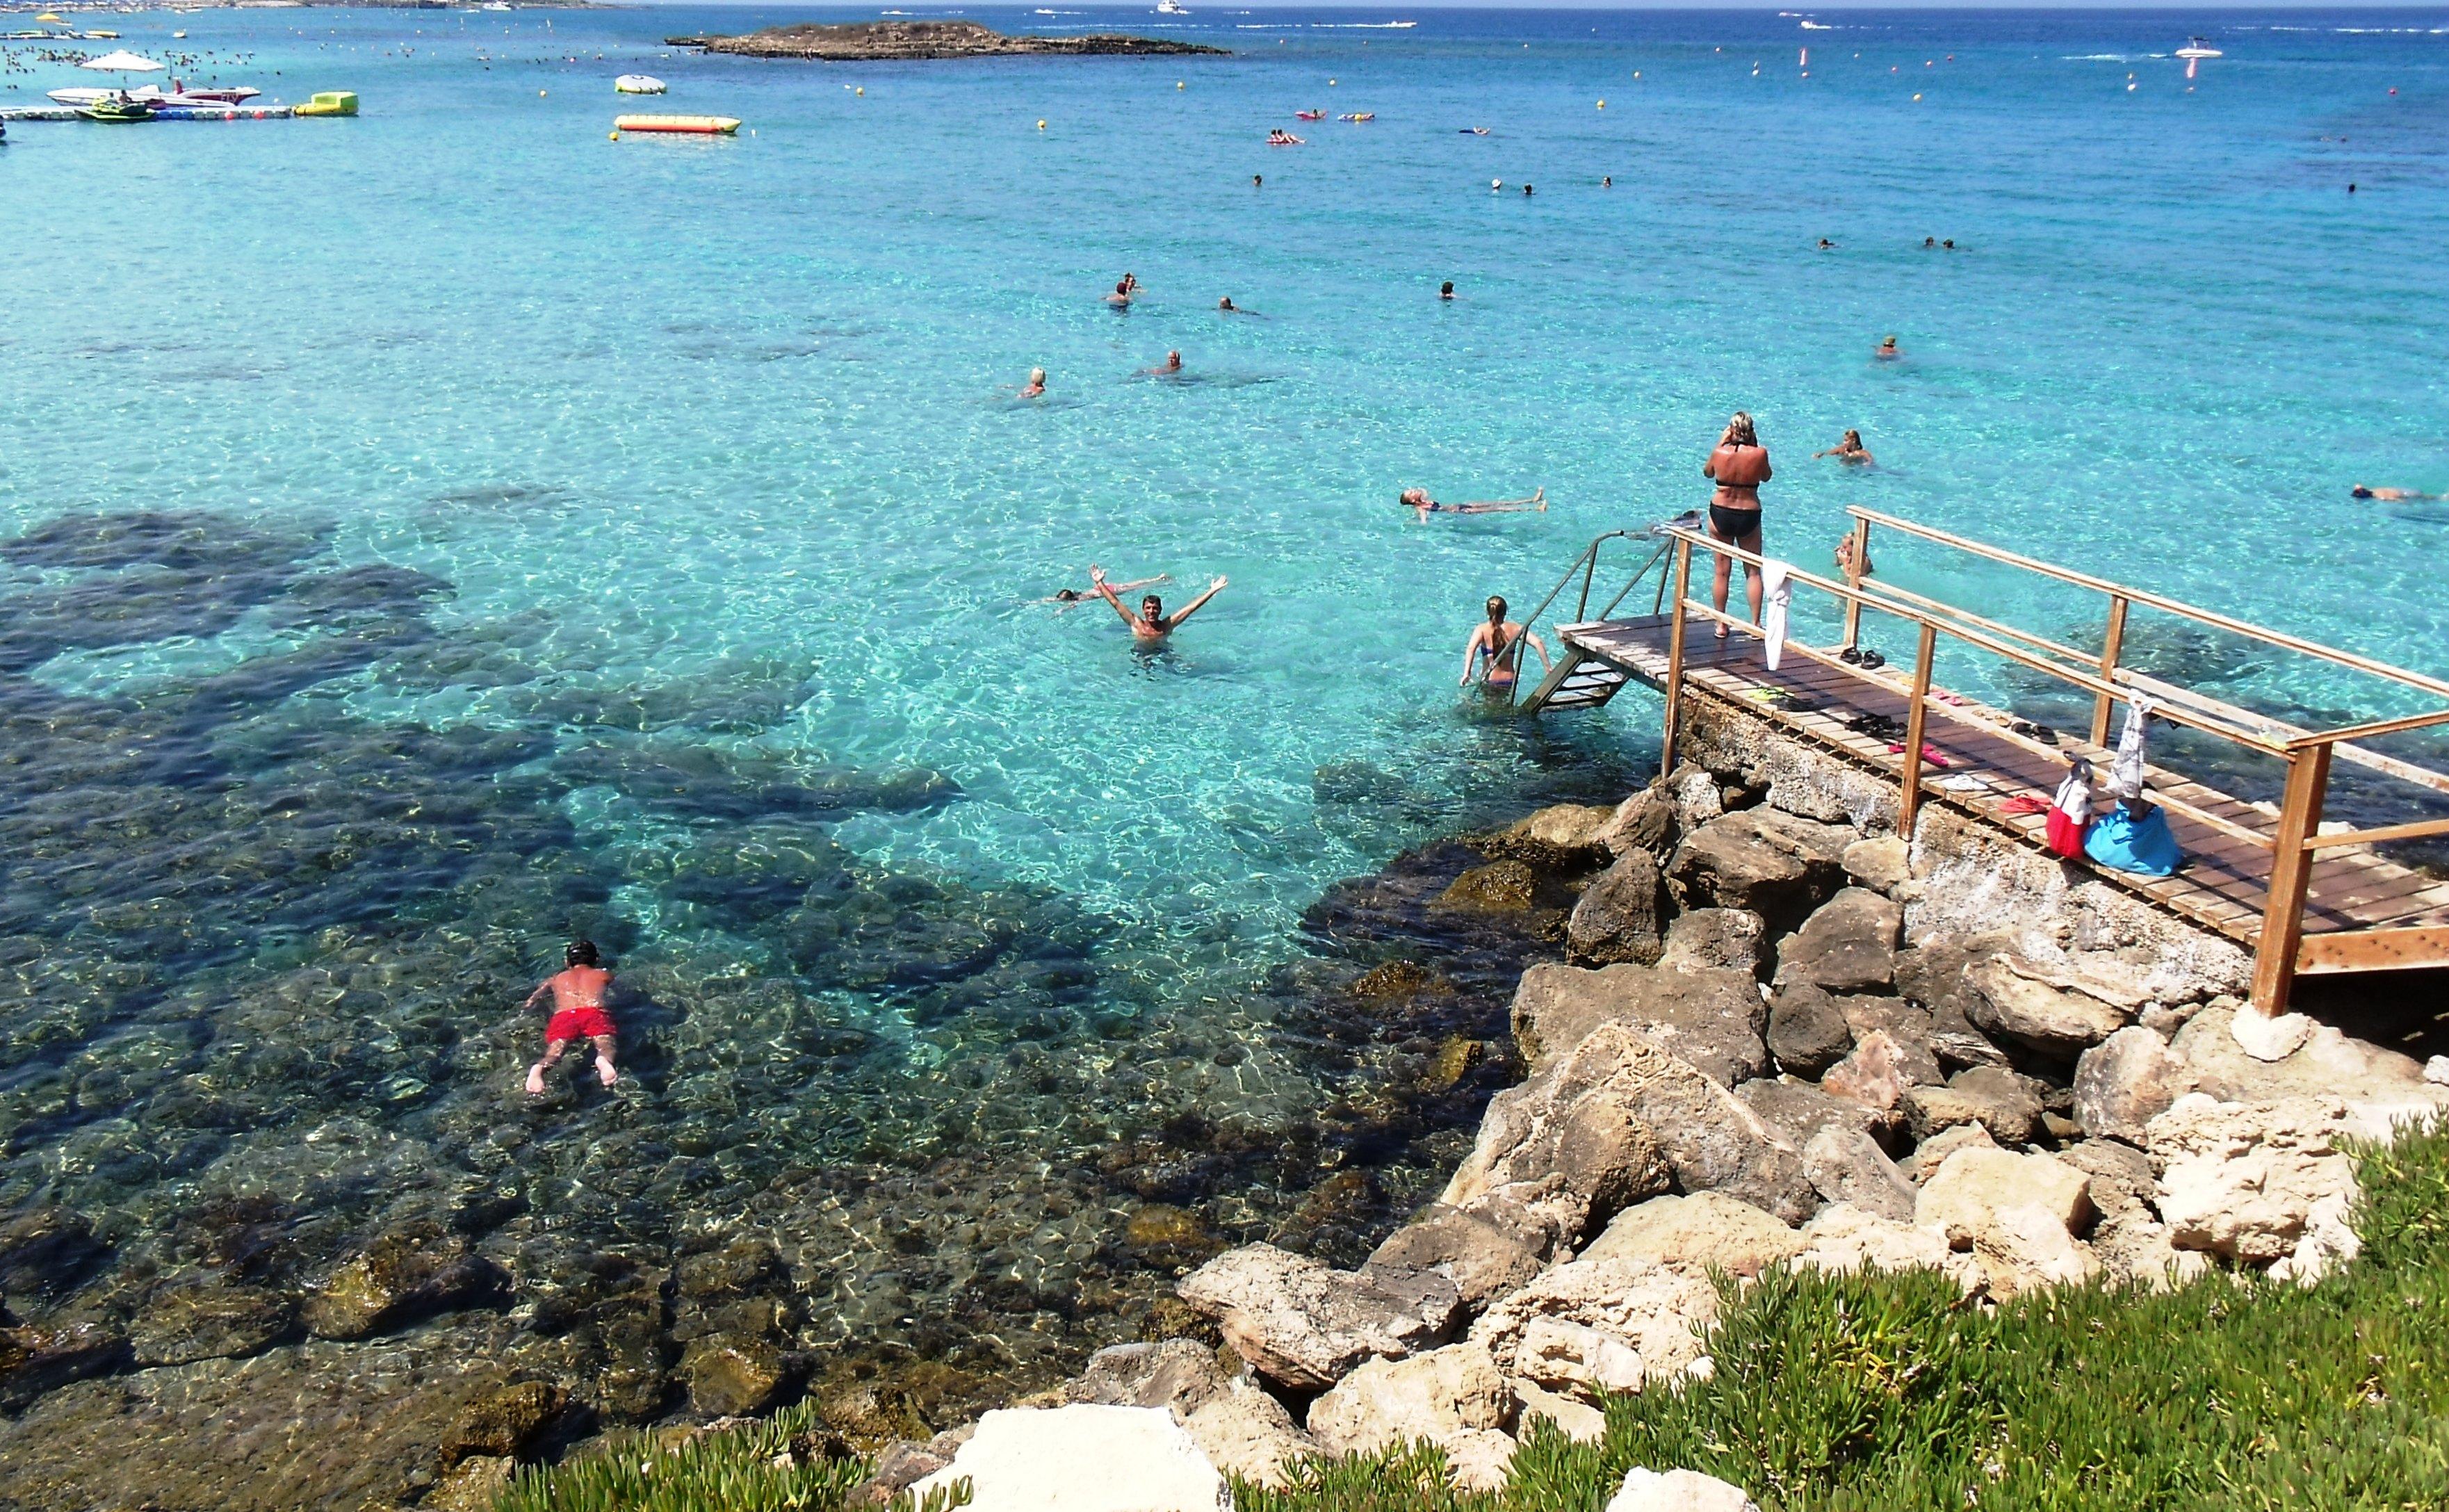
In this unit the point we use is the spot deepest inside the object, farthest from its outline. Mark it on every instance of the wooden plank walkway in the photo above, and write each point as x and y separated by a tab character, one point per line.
2225	880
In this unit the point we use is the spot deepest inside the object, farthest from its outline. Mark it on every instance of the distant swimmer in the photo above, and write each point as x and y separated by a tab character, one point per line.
1121	298
1071	596
1256	181
1888	351
1035	387
1845	557
1445	290
1417	498
1171	367
1279	136
1606	180
1152	625
1850	451
1227	306
1826	245
579	992
2393	495
1526	190
1494	653
1130	283
1473	131
1929	243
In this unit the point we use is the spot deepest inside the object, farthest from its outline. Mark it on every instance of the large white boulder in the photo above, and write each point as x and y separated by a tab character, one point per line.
1305	1324
1705	1229
1677	1491
1975	1183
1084	1458
2259	1183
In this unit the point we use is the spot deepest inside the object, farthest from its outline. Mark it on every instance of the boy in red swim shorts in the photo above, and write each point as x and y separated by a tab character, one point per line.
579	990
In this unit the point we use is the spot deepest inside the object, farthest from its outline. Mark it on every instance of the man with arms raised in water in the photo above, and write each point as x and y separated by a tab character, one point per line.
1152	625
1498	644
579	992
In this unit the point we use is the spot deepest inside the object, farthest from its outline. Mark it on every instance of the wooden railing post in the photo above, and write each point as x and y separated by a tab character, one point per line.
1854	579
2109	649
1675	656
1909	780
2291	867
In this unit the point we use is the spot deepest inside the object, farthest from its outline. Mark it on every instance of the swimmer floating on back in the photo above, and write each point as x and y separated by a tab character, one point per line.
1850	451
1417	498
579	990
1152	625
1067	598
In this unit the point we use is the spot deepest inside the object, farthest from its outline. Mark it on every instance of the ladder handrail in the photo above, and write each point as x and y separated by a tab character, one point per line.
1586	564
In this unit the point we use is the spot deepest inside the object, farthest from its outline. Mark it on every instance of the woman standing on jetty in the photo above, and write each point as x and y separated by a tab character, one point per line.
1739	467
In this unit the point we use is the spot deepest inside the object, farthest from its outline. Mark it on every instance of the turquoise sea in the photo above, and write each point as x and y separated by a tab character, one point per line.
432	531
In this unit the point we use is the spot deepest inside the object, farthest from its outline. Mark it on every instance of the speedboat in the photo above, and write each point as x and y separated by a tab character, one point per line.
638	83
155	94
1169	8
2199	47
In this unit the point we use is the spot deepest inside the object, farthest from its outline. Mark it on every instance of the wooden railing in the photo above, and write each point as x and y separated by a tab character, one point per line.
2294	837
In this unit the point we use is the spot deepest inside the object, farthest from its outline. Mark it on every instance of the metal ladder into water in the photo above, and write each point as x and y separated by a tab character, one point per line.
1578	679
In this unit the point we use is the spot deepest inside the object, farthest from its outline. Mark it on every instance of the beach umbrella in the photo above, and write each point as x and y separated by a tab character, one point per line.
121	63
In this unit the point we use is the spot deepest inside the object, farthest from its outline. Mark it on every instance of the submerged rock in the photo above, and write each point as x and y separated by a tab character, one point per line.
35	1360
208	1319
409	1273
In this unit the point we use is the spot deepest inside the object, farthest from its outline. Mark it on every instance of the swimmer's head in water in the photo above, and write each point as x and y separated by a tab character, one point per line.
1853	438
1739	431
1888	344
1445	290
1038	376
580	953
1069	595
2360	491
1495	609
1152	608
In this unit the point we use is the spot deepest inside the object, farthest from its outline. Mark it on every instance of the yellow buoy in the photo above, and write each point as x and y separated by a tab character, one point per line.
1178	84
539	94
1916	97
1330	84
863	89
614	136
1602	104
1041	125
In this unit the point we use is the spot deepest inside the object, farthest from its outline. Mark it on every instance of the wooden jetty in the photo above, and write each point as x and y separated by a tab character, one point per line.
2304	899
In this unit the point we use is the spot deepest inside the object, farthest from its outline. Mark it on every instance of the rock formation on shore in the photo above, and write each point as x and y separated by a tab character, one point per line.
874	41
1787	1045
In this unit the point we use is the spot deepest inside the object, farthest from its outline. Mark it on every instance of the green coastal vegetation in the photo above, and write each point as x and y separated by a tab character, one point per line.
1892	1394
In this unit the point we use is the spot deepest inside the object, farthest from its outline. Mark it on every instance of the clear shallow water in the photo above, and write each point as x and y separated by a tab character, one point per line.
556	514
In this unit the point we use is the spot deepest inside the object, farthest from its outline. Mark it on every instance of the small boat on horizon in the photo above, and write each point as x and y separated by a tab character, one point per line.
1170	7
2199	47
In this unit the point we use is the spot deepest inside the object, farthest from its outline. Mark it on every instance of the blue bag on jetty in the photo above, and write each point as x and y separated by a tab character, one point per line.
2124	842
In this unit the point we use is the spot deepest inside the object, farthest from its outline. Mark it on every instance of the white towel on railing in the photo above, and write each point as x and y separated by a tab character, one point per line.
2126	771
1777	592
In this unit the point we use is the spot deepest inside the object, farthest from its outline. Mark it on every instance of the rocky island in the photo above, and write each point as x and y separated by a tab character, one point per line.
870	41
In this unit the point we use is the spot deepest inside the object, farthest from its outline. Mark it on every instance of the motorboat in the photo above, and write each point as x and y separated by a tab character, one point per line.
639	84
155	94
1170	7
2199	47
